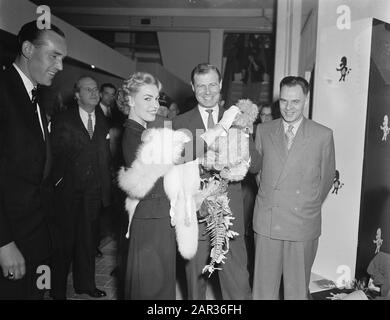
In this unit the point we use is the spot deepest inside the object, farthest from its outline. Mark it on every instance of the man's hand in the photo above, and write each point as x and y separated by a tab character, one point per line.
12	261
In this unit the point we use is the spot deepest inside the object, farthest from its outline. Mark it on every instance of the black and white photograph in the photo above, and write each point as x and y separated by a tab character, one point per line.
194	154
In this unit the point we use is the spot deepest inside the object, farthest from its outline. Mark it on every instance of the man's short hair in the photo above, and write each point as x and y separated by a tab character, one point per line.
76	87
291	81
107	85
31	32
203	68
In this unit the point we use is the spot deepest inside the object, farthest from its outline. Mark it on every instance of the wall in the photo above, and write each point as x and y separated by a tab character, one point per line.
13	14
288	28
307	50
182	51
342	105
216	47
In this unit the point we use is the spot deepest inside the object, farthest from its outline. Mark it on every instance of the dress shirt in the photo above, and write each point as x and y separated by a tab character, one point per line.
295	126
205	115
29	87
84	118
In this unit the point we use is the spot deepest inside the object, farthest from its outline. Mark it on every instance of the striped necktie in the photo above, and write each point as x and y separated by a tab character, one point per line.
289	136
89	126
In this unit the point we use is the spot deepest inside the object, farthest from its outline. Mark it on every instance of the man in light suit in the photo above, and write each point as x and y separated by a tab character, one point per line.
25	161
234	276
298	167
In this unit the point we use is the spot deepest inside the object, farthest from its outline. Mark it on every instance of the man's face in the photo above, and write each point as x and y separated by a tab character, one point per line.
88	95
207	88
292	102
265	114
107	96
44	59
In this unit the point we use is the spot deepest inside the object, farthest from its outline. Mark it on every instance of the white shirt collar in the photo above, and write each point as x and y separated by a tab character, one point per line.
84	113
104	108
204	114
26	81
295	126
29	86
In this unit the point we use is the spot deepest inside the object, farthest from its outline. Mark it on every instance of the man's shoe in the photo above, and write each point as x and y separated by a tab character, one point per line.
98	254
95	293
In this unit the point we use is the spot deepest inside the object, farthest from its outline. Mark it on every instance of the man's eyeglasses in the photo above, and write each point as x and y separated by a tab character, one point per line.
91	90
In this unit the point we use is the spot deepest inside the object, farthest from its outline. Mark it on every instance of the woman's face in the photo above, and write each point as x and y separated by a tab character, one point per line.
144	104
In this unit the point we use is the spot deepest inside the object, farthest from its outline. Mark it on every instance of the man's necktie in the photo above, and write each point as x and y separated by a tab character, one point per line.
34	101
48	160
210	120
289	136
34	96
89	126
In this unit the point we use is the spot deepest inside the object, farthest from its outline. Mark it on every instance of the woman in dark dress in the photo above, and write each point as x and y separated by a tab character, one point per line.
151	257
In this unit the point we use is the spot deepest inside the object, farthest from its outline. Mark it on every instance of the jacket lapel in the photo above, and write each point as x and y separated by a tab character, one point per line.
196	118
99	124
26	108
80	125
220	113
196	121
277	138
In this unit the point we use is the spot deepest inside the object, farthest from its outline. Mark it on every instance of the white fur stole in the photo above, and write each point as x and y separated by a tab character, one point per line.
160	150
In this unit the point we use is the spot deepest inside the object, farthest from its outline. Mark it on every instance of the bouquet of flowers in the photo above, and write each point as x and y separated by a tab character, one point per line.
227	159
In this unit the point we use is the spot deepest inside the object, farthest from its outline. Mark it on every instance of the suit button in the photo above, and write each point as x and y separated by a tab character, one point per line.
296	209
298	191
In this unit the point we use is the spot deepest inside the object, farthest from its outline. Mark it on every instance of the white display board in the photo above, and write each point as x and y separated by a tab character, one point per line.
341	104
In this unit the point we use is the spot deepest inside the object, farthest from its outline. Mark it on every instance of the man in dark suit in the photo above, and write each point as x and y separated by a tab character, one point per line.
298	167
234	277
108	105
115	118
80	139
25	161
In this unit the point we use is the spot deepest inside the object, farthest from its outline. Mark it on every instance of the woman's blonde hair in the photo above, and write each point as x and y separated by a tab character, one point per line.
131	86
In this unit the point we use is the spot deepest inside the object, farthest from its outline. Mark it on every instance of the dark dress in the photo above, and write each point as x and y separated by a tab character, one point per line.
151	258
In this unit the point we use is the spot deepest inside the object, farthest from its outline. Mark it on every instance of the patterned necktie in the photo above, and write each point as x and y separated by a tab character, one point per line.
34	101
34	96
210	120
289	136
89	126
48	160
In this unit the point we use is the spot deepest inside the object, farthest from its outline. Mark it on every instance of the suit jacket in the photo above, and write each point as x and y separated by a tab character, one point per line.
24	154
74	167
192	121
116	118
294	183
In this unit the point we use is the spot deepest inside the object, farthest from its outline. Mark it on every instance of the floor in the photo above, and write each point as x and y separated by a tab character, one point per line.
104	266
106	282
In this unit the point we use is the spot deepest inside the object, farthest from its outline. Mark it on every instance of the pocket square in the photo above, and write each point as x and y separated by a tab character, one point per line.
108	136
58	182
